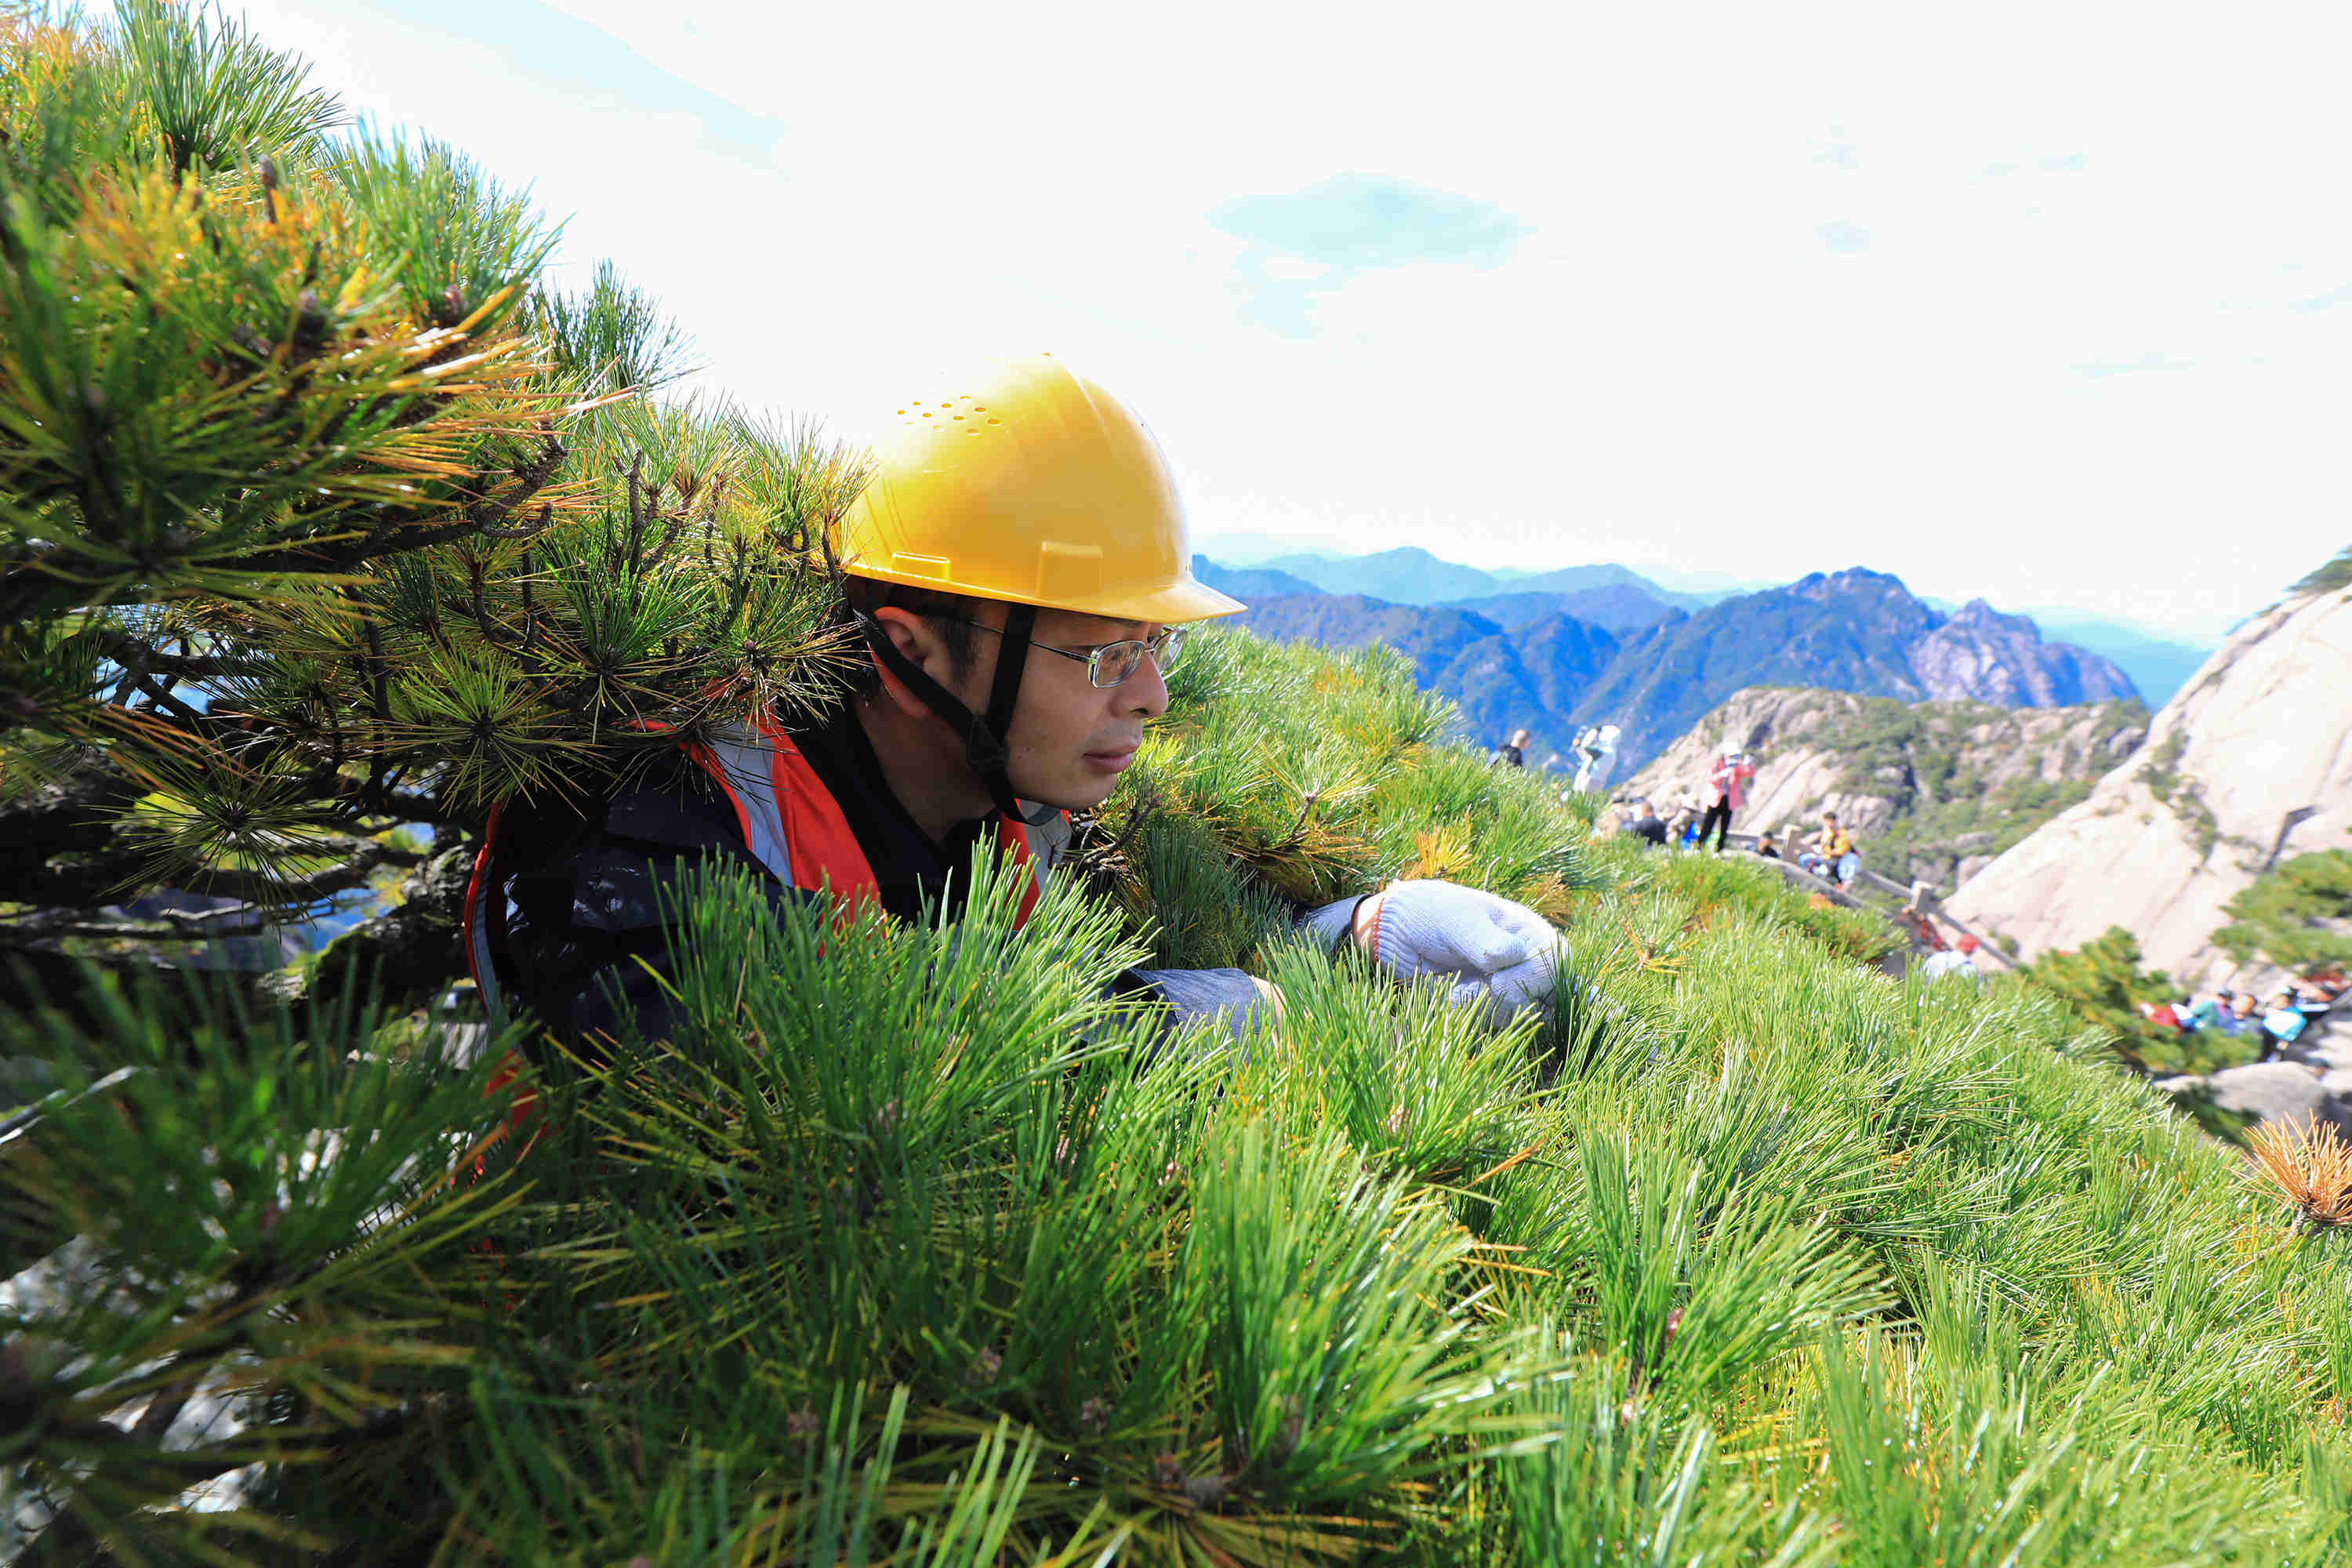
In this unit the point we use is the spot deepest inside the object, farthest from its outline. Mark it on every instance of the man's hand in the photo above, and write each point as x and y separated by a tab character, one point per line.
1485	948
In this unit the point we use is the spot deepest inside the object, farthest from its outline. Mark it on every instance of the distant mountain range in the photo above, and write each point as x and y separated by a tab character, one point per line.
1531	675
1413	576
1624	602
1620	607
1551	671
1856	631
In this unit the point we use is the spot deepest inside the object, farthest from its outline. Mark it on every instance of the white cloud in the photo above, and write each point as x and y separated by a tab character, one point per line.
1290	269
1678	362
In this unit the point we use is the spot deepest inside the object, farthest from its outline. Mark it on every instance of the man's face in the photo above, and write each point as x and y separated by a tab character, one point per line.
1072	740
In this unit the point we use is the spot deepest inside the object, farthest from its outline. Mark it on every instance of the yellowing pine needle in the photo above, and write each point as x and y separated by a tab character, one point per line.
2310	1166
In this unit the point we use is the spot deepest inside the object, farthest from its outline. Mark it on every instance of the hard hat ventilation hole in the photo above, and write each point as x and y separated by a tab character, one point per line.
992	419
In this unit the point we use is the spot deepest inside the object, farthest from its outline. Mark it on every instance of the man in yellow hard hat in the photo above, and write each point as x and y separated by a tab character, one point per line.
1019	571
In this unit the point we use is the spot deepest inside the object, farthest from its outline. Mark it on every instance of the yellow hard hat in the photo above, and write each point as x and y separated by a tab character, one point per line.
1030	484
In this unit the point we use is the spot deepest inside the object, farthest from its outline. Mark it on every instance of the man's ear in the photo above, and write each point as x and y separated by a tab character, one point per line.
920	643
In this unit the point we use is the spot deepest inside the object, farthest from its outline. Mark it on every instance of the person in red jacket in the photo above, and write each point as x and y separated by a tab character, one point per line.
1018	572
1729	783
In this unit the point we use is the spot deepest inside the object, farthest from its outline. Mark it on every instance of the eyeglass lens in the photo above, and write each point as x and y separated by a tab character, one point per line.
1114	664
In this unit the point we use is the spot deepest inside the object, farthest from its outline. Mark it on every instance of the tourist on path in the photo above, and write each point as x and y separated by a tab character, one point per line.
1957	959
1647	824
1833	855
1596	748
1729	782
2283	1024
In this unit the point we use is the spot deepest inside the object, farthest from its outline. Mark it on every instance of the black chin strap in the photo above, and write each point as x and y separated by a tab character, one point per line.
985	736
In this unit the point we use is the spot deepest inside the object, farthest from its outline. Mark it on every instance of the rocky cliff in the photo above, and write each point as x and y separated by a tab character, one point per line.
1931	790
2252	762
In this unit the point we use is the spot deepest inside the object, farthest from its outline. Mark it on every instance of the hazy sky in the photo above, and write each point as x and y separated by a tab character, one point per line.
2049	303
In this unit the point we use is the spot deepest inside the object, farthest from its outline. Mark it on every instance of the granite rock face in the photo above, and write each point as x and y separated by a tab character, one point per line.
2250	764
1930	788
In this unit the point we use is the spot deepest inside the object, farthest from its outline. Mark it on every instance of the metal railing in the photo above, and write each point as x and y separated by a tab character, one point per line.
1924	896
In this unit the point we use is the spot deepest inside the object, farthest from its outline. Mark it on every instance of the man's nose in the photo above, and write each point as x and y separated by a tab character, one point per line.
1145	692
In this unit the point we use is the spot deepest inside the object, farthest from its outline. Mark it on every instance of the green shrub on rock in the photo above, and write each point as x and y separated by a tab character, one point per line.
2295	915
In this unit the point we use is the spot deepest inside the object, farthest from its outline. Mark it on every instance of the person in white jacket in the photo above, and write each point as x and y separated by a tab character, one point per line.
1960	958
1596	747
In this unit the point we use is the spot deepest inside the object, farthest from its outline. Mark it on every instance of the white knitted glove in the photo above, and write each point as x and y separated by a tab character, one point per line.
1484	948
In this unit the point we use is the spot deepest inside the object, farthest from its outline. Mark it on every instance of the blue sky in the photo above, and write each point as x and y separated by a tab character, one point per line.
2048	304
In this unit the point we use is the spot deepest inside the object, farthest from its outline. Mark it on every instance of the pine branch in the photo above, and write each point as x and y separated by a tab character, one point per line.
137	653
60	849
145	683
486	518
69	1537
44	926
370	812
362	859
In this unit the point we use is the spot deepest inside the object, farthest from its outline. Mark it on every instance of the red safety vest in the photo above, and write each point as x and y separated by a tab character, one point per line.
792	826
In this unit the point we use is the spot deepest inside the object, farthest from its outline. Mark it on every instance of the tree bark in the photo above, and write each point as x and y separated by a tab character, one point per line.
408	953
57	844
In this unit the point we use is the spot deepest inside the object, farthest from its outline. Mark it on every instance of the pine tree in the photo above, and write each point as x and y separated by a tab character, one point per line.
913	1243
322	517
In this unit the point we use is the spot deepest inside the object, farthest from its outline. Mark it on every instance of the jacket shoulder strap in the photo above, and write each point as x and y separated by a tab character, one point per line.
1047	841
478	956
1037	845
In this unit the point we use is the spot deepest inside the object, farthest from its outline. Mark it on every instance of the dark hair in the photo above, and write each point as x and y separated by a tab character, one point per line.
955	612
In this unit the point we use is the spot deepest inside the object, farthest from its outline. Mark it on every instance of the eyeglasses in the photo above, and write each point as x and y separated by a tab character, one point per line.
1109	665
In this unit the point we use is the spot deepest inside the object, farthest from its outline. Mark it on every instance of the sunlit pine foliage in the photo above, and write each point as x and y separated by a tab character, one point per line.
321	510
